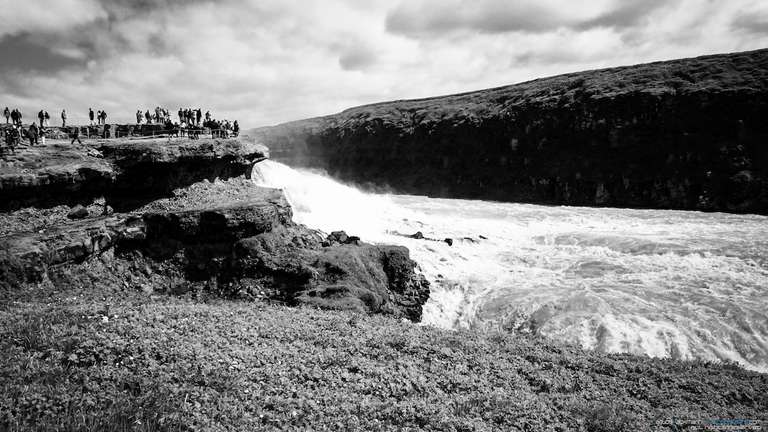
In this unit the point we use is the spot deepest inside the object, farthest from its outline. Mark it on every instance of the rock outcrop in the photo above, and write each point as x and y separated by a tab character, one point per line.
683	134
239	243
128	173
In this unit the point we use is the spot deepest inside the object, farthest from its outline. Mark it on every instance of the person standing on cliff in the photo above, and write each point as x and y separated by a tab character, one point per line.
7	114
40	117
75	135
63	118
32	134
103	117
90	115
18	116
46	118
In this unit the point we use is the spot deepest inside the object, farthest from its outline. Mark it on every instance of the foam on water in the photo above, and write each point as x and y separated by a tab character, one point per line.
676	284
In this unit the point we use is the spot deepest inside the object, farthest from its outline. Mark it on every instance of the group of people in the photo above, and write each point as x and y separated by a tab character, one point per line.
223	128
44	118
12	116
191	123
16	133
187	116
101	116
159	116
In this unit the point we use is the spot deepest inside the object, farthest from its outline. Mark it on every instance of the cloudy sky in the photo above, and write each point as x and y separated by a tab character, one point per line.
266	62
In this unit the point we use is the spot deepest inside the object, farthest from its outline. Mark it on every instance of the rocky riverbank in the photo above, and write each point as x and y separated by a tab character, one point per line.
180	216
683	134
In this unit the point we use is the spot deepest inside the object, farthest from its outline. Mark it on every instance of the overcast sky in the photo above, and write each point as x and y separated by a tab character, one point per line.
266	62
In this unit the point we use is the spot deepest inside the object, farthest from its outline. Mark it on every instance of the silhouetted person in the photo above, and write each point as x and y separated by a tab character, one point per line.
40	117
103	117
47	118
148	117
7	114
235	129
90	115
75	135
63	118
13	137
33	134
139	116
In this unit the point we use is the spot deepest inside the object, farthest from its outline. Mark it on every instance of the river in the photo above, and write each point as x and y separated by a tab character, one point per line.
663	283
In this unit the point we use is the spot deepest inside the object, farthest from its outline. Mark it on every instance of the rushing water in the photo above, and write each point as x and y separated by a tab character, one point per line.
663	283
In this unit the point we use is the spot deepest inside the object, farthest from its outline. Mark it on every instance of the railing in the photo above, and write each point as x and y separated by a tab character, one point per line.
130	134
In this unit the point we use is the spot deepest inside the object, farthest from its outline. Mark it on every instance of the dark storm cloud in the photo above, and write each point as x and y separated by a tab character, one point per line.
436	18
24	52
625	15
125	9
751	23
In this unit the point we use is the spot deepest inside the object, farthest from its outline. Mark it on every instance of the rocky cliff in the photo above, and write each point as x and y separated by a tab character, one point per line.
127	173
683	134
188	220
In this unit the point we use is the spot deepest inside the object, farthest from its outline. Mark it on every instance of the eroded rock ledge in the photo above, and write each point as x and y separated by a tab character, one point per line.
238	246
128	173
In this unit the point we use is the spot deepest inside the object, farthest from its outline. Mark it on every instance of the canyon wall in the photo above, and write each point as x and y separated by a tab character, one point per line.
683	134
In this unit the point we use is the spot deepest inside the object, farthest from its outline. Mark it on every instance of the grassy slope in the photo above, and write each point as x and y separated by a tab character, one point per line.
746	71
122	360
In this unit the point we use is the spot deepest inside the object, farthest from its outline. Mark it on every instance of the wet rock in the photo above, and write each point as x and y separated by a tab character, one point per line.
359	277
78	212
341	237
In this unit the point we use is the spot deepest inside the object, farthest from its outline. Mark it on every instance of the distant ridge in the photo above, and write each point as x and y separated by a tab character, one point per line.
683	134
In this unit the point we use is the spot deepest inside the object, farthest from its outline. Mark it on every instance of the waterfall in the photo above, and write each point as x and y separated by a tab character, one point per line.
678	284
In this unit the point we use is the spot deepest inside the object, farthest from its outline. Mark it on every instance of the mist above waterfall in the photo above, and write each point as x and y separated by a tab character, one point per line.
664	283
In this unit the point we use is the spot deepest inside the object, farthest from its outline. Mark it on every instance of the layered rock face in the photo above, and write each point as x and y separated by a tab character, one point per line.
181	228
684	134
127	173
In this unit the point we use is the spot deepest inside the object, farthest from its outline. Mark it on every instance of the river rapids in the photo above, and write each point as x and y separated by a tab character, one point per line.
680	284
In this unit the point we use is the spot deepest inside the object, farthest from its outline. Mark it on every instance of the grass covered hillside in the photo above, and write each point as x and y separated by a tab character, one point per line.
112	359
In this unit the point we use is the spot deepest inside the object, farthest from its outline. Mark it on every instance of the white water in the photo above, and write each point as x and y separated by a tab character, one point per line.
663	283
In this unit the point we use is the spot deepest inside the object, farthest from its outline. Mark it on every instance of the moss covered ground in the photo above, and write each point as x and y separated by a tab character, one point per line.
121	359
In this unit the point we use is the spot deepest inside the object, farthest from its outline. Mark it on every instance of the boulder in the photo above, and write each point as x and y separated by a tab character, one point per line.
78	212
348	276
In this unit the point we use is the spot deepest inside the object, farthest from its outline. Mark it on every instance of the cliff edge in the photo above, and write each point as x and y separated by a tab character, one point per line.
179	217
682	134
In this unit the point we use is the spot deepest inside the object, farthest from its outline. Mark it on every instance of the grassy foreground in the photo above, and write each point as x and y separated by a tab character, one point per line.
78	360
